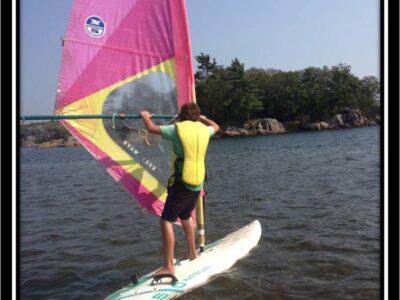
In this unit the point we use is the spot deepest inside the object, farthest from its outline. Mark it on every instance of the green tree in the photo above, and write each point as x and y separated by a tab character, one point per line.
369	99
206	66
314	94
211	94
232	95
242	98
343	88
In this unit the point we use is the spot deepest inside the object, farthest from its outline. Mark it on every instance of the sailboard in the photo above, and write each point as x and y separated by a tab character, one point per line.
217	257
120	58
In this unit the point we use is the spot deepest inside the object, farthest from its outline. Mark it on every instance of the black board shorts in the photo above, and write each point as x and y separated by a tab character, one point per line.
180	203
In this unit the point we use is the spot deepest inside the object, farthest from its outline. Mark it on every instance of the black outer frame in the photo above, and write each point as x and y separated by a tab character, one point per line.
17	107
6	149
393	150
17	193
393	147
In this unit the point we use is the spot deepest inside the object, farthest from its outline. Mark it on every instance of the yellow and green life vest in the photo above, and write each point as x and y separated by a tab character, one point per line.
194	137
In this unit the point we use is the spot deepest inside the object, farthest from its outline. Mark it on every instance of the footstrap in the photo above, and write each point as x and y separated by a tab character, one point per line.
157	278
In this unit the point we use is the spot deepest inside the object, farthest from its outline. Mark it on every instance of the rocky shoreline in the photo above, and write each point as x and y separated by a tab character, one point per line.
58	143
349	118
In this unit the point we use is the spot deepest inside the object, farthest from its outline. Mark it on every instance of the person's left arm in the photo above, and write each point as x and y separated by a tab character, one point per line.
210	123
149	124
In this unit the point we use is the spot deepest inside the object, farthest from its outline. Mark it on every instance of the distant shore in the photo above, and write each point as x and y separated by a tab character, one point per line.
53	135
59	143
267	126
232	132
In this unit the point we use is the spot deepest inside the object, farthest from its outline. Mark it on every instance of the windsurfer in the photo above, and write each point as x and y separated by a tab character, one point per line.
190	136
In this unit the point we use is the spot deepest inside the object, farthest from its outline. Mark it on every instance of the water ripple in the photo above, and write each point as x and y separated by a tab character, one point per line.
316	195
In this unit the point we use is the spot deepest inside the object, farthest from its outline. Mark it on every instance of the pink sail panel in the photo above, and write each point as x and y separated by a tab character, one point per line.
143	33
125	56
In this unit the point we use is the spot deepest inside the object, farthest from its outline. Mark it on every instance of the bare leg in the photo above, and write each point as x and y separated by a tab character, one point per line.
168	239
188	229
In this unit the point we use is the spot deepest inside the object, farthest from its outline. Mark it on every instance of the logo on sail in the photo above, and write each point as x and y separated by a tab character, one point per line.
95	26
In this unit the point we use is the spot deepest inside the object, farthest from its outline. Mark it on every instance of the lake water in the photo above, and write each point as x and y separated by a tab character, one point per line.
316	194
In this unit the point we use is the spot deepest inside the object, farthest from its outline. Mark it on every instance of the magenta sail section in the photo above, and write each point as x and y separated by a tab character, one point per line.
107	42
183	54
137	36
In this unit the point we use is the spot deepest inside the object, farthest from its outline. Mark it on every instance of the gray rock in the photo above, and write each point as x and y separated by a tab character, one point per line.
337	120
232	131
244	132
324	125
312	126
271	125
351	116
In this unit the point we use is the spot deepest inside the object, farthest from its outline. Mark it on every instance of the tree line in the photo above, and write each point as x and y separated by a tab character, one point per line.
232	95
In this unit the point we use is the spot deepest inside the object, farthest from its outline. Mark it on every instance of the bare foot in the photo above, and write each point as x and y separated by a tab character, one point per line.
165	270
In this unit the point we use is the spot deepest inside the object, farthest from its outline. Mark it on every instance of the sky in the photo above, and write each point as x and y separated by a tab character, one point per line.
287	35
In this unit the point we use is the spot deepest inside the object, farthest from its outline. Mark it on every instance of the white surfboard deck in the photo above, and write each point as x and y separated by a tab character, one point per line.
216	258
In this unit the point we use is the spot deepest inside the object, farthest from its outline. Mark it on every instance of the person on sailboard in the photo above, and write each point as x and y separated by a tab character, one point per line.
190	137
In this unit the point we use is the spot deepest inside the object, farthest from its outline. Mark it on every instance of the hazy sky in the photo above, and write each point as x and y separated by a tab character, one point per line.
284	34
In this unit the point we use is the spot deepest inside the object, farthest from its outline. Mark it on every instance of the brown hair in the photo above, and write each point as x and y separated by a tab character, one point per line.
189	111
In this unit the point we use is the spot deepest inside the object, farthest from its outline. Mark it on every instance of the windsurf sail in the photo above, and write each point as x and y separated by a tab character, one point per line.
126	56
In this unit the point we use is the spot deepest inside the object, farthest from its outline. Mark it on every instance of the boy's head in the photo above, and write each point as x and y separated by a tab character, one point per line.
189	112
